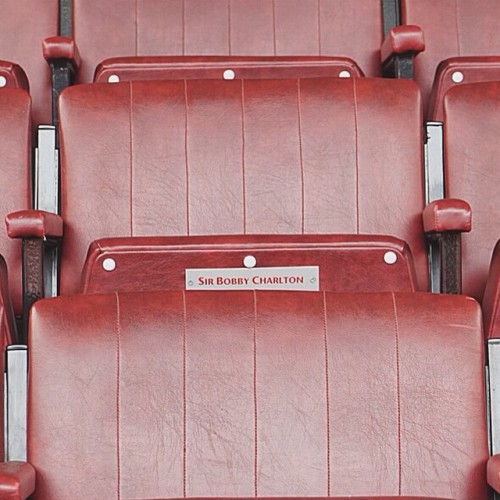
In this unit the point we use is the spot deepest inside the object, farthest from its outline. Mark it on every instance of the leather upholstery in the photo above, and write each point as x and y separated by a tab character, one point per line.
447	215
14	75
146	264
472	127
228	27
34	224
473	69
17	480
401	39
202	158
173	68
491	299
23	26
14	175
257	394
61	47
451	28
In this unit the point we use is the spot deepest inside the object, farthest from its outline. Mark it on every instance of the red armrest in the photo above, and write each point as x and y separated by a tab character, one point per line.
447	215
34	224
61	47
401	39
14	75
17	480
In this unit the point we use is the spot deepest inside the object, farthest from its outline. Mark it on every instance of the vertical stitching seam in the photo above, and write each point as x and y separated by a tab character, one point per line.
183	27
229	26
243	156
398	388
274	26
457	28
356	175
136	27
131	162
327	392
184	399
319	27
301	156
118	348
255	392
186	154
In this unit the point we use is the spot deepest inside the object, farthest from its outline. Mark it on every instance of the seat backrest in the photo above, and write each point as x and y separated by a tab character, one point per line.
451	28
228	27
23	26
257	394
14	175
179	158
471	131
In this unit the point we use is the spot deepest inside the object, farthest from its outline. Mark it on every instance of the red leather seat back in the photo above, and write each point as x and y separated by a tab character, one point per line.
228	27
265	394
471	131
240	157
451	28
23	26
14	175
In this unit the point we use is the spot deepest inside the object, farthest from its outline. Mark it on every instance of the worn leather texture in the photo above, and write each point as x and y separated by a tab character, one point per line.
212	67
17	480
189	394
34	224
452	28
14	75
61	47
402	39
473	69
491	298
15	153
472	126
228	27
177	158
23	26
447	215
146	264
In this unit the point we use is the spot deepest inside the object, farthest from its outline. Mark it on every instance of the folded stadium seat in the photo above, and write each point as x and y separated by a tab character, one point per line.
471	126
255	394
258	28
183	158
461	46
24	24
15	176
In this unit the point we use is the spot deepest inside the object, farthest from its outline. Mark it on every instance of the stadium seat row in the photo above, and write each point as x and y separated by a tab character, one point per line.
238	237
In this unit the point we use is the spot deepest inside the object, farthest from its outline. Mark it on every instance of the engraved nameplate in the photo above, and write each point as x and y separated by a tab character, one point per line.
258	278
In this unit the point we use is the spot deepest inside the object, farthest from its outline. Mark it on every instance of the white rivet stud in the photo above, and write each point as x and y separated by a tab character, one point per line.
228	74
113	79
249	261
344	74
457	76
390	258
3	81
109	264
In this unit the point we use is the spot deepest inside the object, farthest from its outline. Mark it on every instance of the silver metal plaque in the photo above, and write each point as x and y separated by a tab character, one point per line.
258	278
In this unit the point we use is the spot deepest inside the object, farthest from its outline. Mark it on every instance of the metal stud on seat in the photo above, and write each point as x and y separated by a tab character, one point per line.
109	264
390	258
228	74
457	77
113	79
249	261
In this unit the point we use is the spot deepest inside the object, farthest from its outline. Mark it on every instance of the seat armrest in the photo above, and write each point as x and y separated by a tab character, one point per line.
17	480
63	57
61	47
447	215
398	49
34	224
444	222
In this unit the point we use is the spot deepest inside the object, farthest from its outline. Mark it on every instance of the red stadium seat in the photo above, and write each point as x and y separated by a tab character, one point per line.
24	24
255	394
461	45
313	156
